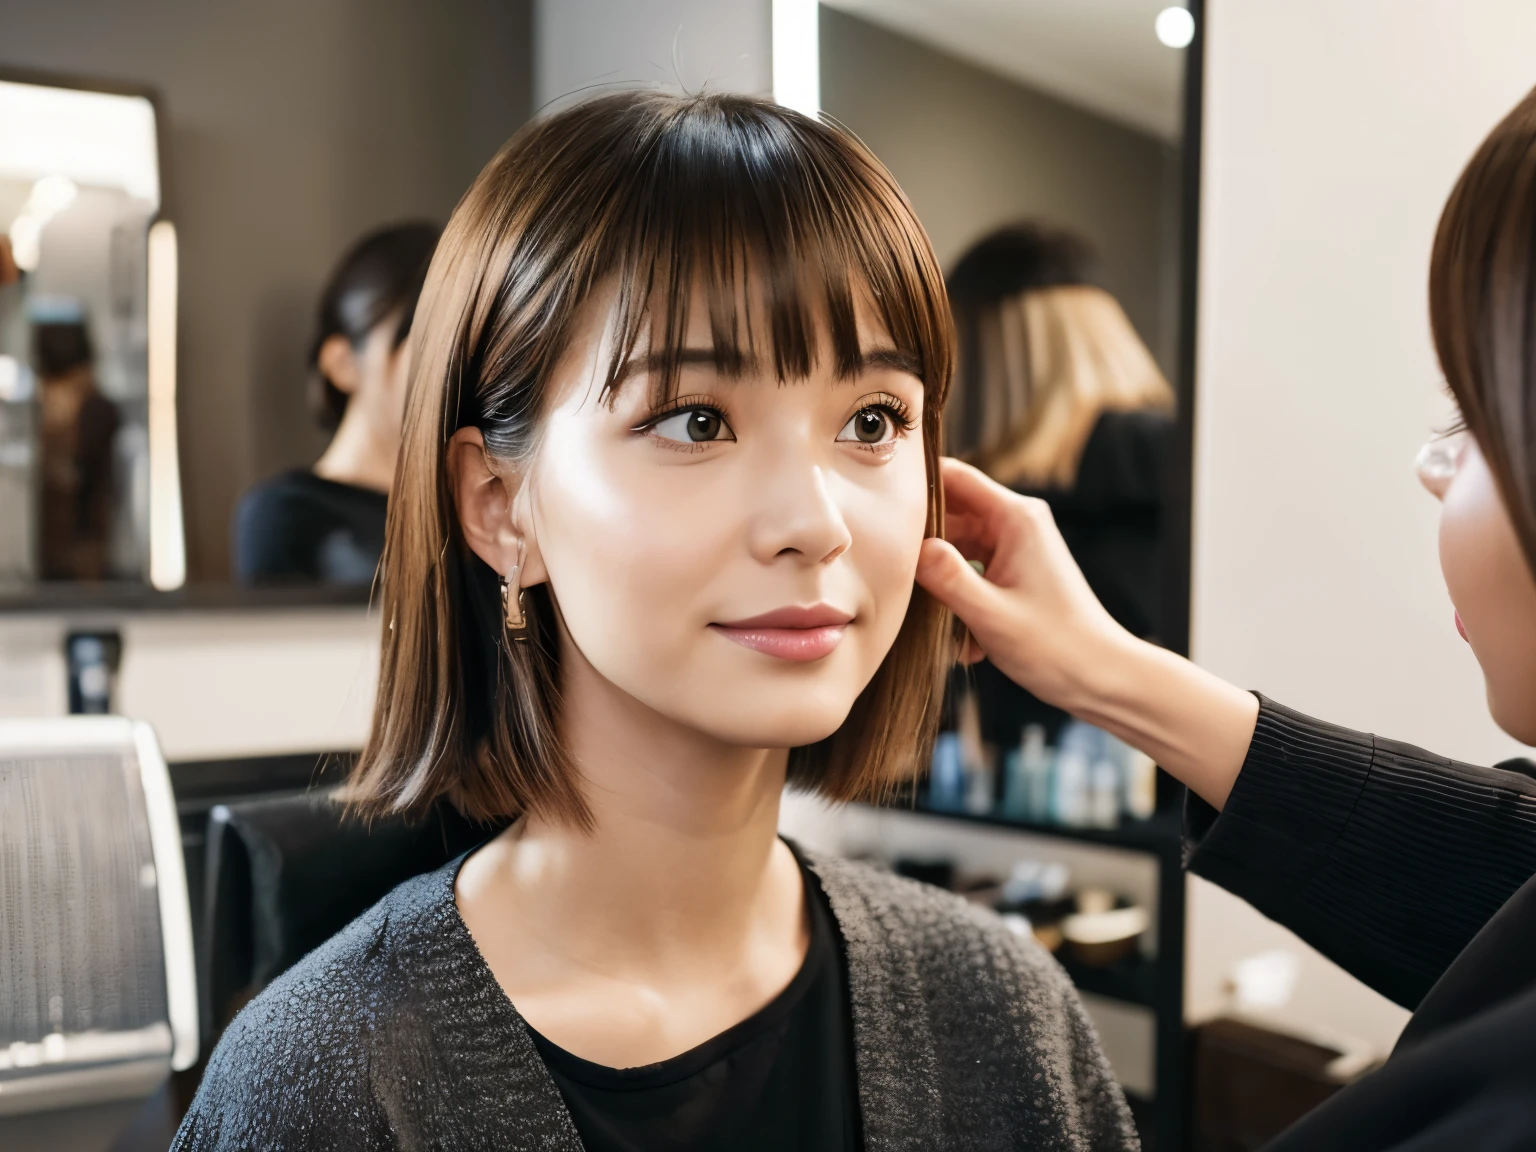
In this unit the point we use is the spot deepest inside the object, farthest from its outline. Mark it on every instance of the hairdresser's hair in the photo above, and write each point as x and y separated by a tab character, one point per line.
1482	308
380	276
59	346
1043	353
651	197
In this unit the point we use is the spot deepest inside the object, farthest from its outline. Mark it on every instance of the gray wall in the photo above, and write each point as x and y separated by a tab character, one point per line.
973	151
291	127
693	45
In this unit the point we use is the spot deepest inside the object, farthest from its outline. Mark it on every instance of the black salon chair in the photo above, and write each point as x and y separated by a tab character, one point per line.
285	874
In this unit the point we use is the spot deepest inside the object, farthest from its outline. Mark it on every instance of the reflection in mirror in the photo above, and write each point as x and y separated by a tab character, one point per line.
79	189
1040	142
325	525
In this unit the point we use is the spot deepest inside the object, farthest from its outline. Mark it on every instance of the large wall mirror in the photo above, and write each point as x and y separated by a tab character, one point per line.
1043	145
88	480
303	246
307	166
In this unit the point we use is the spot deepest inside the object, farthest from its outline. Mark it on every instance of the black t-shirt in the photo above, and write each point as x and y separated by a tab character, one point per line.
297	527
781	1079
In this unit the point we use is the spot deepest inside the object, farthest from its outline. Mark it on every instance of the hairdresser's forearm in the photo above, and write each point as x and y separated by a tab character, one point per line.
1195	725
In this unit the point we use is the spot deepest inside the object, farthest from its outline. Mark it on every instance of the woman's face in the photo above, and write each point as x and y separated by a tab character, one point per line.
372	374
740	561
1489	581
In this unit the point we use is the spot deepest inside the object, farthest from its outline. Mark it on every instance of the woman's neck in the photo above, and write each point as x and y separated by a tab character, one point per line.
360	453
684	829
680	896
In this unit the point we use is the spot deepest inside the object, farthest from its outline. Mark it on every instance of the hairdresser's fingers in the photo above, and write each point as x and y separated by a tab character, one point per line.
968	484
970	535
970	491
946	574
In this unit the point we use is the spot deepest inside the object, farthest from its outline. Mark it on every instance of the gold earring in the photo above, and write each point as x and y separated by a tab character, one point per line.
512	610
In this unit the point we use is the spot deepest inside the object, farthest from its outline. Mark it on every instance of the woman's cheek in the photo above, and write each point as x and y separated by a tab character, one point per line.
888	536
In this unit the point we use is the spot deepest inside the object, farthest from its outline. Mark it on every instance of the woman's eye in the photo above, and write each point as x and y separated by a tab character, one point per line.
869	426
693	426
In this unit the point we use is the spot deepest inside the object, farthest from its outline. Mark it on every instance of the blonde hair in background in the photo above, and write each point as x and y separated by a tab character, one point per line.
1051	362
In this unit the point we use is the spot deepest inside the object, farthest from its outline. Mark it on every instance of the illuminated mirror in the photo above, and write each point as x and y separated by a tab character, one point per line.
88	479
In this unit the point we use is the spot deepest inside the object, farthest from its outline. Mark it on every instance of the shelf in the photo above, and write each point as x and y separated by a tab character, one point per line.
121	597
1160	833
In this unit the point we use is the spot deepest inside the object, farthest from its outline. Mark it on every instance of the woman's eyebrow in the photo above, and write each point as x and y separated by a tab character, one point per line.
682	358
885	358
889	359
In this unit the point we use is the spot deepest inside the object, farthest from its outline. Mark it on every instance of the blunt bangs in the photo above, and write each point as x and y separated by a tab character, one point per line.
783	227
733	206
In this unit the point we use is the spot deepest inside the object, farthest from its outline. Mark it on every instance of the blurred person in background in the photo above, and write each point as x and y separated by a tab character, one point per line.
1058	397
76	430
326	524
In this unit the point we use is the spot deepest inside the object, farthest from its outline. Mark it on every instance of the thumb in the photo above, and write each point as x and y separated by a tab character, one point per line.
949	576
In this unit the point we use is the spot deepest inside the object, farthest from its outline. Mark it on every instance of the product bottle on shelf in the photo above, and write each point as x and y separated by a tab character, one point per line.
946	780
1037	765
1140	784
975	758
1104	790
1015	787
1027	777
1070	783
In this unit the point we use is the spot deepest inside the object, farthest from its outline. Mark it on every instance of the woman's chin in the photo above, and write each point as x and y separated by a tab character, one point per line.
1517	720
770	727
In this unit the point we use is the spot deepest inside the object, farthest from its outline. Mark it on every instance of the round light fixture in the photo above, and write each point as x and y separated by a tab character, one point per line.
1175	27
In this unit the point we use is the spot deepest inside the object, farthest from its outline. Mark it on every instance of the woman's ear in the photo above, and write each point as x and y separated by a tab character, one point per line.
490	515
337	362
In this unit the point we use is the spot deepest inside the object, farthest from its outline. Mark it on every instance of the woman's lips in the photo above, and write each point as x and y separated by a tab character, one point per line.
1460	627
798	634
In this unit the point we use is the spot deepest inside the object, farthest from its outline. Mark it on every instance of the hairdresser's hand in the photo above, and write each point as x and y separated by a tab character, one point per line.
1032	614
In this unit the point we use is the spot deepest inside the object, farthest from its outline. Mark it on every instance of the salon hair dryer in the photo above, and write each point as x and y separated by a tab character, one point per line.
98	1001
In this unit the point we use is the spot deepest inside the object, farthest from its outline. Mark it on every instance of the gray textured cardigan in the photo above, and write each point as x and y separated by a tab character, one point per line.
395	1035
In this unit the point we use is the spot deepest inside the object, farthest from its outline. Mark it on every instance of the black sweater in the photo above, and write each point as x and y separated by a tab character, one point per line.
1414	873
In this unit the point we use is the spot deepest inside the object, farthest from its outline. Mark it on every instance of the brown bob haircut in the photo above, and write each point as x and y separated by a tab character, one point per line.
1482	308
654	197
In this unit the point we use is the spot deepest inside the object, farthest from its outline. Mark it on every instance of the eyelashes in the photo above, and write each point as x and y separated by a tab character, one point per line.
688	424
894	406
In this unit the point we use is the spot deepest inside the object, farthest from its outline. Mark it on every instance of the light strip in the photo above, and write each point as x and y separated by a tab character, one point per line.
797	55
167	546
175	908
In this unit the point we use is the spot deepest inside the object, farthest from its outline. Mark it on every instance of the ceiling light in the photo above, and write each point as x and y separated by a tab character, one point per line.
1175	27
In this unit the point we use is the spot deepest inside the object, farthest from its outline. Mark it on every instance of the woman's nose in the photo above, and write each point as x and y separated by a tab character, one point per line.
1438	462
797	516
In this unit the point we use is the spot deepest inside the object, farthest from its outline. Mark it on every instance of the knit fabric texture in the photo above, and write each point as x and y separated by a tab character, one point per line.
395	1035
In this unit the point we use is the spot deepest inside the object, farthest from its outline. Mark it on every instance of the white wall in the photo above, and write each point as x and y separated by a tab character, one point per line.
1333	133
214	684
695	45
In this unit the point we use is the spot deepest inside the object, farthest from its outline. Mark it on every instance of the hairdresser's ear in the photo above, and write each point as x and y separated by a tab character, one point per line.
490	516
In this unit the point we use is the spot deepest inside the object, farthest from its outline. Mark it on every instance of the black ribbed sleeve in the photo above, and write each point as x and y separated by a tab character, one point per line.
1386	859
